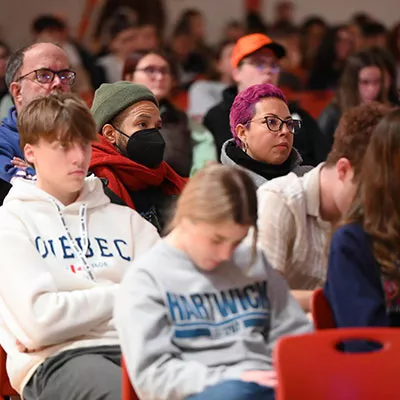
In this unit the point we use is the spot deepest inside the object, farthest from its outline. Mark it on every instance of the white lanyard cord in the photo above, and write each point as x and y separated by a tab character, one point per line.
80	253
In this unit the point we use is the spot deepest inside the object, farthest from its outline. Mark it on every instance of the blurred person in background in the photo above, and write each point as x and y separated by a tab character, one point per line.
394	48
206	93
123	40
330	60
361	82
284	18
374	34
313	32
182	136
49	28
148	37
233	31
390	76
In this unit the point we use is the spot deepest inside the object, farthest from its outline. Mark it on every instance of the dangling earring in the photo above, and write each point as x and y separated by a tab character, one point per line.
244	147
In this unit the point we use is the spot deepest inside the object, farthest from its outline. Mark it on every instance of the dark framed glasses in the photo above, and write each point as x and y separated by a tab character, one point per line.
275	124
46	75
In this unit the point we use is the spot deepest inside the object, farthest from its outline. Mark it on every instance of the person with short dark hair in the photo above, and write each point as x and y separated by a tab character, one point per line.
50	28
69	249
123	40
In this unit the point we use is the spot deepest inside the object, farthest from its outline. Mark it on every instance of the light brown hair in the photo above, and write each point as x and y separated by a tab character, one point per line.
62	116
377	202
218	194
354	132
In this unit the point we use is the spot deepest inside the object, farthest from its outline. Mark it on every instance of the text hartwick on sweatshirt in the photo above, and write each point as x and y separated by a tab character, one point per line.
219	313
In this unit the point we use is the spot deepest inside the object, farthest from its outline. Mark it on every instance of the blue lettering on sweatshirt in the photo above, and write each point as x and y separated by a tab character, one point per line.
60	248
220	313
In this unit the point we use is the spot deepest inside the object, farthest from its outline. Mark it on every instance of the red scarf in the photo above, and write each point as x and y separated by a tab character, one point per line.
126	176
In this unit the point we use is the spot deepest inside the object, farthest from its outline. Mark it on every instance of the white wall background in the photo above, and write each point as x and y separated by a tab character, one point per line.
16	15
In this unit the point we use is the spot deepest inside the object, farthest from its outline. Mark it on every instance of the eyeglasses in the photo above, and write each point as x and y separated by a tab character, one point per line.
262	63
275	124
152	70
46	75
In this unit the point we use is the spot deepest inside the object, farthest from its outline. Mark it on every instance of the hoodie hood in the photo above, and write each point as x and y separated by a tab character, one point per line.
25	190
294	166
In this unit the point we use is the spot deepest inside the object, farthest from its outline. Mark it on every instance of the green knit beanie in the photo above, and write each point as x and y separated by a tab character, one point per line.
112	98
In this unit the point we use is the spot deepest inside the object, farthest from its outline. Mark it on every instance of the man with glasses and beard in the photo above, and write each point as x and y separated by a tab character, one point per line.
33	71
256	60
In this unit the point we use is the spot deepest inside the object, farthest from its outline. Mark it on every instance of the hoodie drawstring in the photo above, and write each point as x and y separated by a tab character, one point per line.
79	251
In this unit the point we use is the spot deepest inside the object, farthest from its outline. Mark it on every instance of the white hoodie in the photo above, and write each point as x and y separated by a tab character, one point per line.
47	300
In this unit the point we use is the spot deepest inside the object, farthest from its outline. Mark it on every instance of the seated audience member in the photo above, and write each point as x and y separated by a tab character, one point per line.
361	82
183	136
123	34
49	28
263	132
33	71
363	271
374	34
255	60
56	306
130	149
313	30
210	308
330	60
149	38
296	214
390	91
206	93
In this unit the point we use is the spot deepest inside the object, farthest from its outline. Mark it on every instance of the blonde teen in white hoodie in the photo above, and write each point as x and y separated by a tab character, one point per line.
64	250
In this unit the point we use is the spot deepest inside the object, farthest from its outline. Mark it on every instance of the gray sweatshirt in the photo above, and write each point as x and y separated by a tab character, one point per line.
183	329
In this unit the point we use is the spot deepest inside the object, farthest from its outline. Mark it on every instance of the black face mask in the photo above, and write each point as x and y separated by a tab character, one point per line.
145	147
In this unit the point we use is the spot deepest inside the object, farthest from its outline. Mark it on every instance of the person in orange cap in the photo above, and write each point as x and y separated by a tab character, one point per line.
256	60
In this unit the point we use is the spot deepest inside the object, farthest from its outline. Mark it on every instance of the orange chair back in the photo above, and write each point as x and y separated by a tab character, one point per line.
5	386
128	393
310	366
321	311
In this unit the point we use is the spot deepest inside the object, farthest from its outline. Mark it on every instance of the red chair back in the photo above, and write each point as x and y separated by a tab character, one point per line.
321	311
128	393
310	366
5	386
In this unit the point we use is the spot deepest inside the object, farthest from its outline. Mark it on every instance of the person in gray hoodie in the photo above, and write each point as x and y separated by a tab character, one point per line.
263	131
199	315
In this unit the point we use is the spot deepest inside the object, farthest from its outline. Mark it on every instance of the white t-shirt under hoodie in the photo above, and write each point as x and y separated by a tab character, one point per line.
53	295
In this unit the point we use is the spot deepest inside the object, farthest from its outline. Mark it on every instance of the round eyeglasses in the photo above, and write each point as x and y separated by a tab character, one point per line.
275	124
46	75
